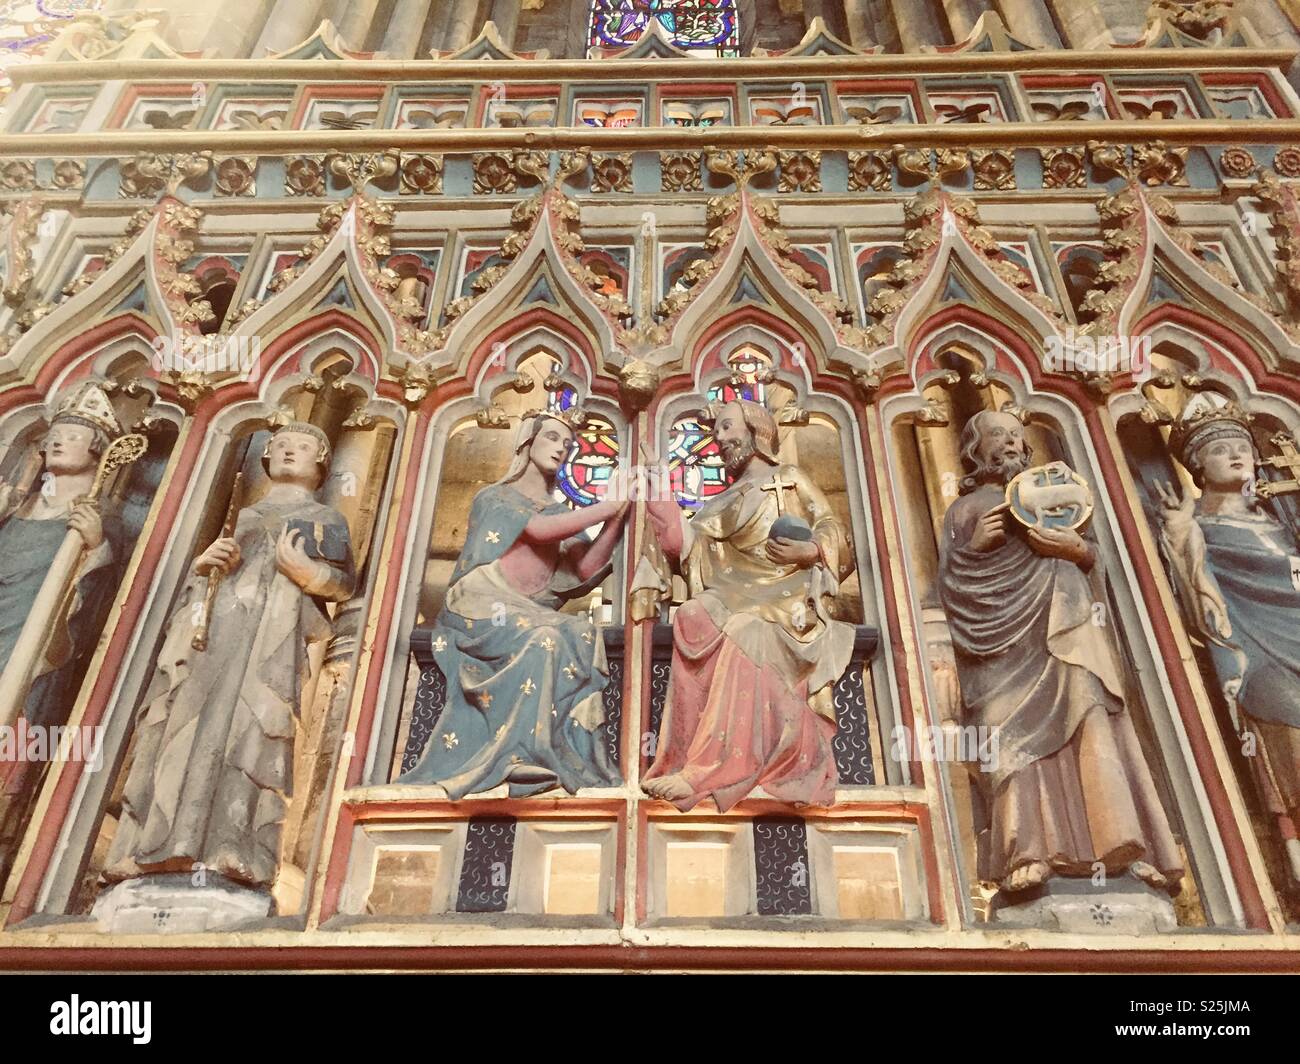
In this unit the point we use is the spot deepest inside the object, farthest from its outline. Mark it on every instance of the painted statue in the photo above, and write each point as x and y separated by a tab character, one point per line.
525	681
212	773
756	653
1068	789
33	525
1237	570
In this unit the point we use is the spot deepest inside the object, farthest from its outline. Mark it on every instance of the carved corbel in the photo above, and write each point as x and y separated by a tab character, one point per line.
638	382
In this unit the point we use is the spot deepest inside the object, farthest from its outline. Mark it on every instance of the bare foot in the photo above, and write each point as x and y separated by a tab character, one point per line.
668	788
1149	875
1027	876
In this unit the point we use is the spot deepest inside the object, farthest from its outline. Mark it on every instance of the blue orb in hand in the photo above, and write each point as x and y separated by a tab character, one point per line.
787	526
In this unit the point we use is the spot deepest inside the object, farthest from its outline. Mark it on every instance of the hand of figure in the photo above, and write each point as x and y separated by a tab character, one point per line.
291	559
1216	620
990	530
85	520
800	552
616	490
653	462
947	689
1059	543
223	555
1176	511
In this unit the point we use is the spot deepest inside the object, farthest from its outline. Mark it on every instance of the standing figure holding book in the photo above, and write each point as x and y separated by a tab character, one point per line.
1069	794
212	774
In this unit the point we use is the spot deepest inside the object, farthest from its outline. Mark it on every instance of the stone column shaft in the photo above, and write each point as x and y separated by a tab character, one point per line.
291	22
505	13
962	16
1081	24
458	26
353	19
405	29
859	23
231	30
1031	22
917	25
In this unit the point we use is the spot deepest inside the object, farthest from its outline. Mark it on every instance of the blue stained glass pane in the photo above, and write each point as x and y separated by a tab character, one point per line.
581	478
27	26
698	25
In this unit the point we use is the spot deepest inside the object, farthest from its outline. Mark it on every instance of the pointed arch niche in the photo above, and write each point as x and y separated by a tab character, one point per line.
1192	356
758	357
470	445
116	356
322	370
963	361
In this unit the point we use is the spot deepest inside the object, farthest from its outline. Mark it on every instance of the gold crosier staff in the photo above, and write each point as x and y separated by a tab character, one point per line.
200	640
16	680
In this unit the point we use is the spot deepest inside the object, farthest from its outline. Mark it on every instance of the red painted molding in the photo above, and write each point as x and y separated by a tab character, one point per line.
644	958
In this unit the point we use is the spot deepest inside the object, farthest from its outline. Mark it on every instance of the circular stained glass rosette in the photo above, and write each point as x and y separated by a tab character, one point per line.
1050	496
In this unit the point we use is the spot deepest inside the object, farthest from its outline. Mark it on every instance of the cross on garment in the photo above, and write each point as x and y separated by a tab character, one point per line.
1288	460
776	486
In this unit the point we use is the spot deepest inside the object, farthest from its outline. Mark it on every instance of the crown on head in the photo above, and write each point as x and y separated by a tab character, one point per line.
1207	417
575	417
89	405
305	428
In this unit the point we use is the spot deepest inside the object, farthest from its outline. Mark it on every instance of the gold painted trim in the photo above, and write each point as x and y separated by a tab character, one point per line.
652	138
630	71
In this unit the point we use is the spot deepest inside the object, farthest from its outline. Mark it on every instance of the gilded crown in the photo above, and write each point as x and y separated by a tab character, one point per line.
1207	417
575	417
90	405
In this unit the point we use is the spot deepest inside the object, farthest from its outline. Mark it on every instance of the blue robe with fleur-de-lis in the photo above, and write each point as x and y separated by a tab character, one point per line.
525	682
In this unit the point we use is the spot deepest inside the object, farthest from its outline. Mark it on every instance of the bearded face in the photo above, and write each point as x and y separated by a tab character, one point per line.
735	441
1001	453
736	454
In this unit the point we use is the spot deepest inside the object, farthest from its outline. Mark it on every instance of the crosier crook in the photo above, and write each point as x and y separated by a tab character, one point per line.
16	679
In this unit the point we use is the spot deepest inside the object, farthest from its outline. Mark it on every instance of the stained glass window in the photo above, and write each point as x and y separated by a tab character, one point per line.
695	466
706	27
27	26
583	475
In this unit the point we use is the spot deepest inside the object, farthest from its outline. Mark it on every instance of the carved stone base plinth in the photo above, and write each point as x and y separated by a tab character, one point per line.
173	904
1125	905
